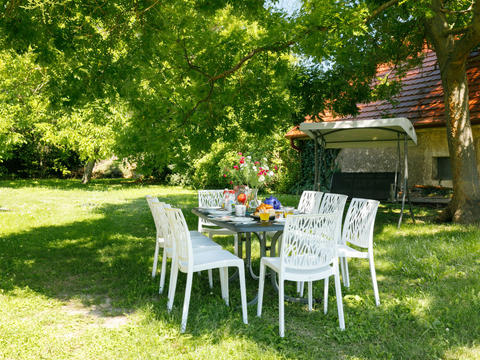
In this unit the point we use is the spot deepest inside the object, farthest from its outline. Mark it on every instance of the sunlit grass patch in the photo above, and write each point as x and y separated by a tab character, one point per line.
75	283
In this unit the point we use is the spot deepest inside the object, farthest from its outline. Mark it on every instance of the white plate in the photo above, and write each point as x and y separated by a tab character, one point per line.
241	219
223	218
216	212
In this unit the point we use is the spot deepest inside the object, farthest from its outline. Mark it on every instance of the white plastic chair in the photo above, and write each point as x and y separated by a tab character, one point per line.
212	199
358	231
332	204
199	241
189	261
308	253
310	202
159	239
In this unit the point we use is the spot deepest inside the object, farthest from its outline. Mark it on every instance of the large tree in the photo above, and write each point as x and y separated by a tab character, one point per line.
395	31
191	71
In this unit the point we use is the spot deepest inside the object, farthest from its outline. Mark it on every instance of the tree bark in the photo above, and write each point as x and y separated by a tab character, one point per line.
465	204
87	174
452	53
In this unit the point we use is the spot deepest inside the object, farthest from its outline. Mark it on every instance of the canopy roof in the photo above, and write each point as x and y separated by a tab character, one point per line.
361	133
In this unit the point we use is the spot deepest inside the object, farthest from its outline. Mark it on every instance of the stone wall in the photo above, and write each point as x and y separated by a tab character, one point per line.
432	143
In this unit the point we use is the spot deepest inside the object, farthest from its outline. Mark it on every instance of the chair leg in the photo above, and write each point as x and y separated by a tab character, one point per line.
302	288
163	272
325	295
281	307
155	258
224	283
235	244
210	278
310	300
172	285
338	294
243	291
374	279
346	276
342	268
186	301
261	284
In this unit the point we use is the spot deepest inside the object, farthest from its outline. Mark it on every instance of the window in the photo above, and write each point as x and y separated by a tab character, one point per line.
442	168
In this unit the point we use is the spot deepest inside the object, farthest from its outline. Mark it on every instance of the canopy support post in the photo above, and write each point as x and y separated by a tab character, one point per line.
405	191
315	179
397	166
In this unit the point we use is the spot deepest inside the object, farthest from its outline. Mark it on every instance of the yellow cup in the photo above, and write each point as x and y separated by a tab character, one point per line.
288	211
264	216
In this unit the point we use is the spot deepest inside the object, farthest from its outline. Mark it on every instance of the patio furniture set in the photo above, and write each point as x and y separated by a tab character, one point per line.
312	245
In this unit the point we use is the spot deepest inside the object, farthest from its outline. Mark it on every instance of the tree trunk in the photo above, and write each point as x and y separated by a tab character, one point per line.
465	204
87	174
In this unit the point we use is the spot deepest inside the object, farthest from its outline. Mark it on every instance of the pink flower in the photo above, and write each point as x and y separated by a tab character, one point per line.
257	162
231	182
224	175
240	154
275	167
235	167
260	168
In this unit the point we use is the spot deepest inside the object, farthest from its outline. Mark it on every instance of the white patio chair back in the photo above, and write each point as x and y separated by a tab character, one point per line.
160	218
182	244
308	241
359	222
150	201
334	204
310	202
210	199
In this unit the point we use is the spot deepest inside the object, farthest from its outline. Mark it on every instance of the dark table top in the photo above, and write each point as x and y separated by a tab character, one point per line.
254	226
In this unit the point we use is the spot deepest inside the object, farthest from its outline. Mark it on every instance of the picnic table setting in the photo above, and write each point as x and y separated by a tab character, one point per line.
308	243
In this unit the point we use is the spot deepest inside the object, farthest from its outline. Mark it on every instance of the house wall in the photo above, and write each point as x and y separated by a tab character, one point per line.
432	143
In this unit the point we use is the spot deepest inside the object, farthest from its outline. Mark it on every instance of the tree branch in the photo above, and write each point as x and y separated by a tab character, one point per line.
449	11
190	64
199	102
251	54
457	31
382	8
471	38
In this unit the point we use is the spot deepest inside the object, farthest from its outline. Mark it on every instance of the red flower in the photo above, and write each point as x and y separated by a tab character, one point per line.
224	175
242	160
275	167
257	162
231	182
235	167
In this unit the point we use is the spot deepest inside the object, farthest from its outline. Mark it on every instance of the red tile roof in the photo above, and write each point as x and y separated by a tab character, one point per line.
420	99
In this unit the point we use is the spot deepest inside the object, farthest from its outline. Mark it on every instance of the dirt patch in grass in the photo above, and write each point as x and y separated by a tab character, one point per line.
103	312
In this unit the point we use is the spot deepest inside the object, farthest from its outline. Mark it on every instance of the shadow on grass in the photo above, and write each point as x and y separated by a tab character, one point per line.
112	257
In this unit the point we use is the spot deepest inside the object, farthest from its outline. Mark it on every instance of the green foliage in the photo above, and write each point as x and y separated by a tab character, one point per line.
327	167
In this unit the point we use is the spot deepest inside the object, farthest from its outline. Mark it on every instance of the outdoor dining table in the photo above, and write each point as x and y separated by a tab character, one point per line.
245	232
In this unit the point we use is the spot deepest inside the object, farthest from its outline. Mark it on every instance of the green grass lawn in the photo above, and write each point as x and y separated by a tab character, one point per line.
75	283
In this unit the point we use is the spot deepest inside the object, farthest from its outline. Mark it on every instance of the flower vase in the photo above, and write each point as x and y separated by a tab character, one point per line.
252	201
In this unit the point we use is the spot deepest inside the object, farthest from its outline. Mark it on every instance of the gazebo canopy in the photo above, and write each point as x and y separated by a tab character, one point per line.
361	133
365	134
